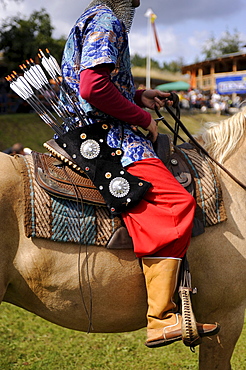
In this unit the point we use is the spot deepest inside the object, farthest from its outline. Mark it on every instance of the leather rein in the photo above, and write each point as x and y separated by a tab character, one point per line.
178	124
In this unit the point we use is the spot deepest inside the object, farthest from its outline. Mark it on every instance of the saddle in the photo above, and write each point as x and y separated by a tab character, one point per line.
63	205
58	175
173	159
62	180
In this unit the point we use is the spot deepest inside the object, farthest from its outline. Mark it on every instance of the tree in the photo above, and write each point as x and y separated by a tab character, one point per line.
138	61
20	39
227	44
174	66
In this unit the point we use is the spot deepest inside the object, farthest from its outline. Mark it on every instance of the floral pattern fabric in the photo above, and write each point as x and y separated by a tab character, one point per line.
98	37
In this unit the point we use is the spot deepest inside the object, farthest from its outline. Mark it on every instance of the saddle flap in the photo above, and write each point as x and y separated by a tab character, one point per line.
163	147
173	160
60	180
178	166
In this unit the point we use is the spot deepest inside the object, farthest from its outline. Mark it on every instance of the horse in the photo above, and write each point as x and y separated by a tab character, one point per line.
92	288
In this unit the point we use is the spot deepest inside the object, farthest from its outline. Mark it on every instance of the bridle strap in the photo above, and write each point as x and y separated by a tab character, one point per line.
193	140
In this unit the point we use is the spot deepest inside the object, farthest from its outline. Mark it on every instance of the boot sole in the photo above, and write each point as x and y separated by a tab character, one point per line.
208	334
162	342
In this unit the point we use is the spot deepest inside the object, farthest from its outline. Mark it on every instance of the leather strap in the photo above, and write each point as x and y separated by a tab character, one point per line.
197	144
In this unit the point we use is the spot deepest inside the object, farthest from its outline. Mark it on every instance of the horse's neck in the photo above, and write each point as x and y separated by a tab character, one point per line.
236	165
235	198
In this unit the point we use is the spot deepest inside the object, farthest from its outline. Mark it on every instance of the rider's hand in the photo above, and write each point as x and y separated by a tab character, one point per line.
153	132
155	98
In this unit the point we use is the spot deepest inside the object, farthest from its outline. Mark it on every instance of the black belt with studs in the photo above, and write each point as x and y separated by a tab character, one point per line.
88	147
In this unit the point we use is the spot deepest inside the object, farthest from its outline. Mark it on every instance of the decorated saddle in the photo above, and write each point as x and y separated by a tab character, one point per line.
62	204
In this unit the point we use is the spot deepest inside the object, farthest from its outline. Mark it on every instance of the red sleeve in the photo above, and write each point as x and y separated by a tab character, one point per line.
138	98
97	88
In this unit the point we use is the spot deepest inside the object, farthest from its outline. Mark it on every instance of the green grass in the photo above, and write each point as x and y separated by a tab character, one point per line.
192	122
29	342
28	129
32	132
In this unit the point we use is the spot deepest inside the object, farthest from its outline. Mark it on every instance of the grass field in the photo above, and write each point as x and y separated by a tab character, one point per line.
29	342
30	130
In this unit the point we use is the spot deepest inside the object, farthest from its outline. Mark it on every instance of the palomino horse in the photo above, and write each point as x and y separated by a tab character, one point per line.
70	285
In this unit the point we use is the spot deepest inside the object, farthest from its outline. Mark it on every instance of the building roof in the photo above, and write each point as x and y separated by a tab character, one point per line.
224	57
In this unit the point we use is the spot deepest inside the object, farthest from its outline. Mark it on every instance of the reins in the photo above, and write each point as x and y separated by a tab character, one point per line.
179	124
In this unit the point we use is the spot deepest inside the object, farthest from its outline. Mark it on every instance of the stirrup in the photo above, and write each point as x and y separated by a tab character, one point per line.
190	335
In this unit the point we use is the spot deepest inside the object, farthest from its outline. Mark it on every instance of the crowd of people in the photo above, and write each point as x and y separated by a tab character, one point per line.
220	104
192	99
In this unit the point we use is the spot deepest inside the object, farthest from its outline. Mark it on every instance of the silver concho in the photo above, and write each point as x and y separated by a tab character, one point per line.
90	149
119	187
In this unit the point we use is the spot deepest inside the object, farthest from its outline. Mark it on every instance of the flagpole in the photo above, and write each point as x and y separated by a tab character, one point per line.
148	58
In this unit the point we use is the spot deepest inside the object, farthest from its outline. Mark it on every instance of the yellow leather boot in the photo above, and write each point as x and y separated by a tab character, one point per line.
164	323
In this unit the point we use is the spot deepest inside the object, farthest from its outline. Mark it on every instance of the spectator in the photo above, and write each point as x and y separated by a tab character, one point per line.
17	148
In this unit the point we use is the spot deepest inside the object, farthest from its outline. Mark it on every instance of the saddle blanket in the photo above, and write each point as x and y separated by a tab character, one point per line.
208	194
63	220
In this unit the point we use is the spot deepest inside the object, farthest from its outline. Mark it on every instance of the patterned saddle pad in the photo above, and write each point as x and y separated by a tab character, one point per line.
208	194
65	220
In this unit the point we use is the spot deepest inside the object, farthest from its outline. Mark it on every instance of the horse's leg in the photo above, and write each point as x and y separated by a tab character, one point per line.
215	352
5	261
3	284
8	243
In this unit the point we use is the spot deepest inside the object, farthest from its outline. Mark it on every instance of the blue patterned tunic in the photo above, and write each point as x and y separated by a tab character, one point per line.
99	37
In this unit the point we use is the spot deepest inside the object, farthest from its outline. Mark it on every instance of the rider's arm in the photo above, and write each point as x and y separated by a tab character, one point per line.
97	88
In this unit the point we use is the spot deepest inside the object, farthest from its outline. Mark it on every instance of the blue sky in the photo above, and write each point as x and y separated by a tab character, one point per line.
182	26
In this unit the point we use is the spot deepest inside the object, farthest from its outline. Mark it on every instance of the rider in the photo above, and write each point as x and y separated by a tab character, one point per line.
96	65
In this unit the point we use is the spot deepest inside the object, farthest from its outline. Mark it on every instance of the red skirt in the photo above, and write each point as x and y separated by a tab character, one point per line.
161	224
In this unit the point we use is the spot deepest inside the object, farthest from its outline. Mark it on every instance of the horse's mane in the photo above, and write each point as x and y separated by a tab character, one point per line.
221	138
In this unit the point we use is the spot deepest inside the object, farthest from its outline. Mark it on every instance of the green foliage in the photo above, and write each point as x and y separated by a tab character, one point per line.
228	43
173	66
138	61
20	38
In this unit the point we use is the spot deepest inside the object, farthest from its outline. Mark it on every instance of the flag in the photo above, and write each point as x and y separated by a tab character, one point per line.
152	20
152	16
